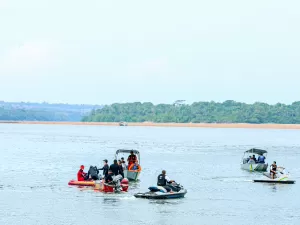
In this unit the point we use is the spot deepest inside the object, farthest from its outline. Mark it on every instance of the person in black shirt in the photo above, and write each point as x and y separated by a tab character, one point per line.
115	168
164	181
109	177
121	168
105	168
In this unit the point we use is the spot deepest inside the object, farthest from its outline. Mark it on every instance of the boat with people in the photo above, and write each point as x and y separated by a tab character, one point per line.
133	169
118	184
255	161
159	192
280	176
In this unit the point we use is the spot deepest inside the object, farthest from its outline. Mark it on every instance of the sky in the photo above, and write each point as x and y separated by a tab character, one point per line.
101	52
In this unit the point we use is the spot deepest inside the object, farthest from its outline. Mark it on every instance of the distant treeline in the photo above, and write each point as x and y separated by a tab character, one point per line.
22	111
198	112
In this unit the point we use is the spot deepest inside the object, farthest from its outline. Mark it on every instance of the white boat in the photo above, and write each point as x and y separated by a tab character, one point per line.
246	164
281	176
129	173
123	124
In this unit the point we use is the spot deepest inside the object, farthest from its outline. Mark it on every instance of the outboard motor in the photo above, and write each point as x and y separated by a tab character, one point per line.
124	184
117	182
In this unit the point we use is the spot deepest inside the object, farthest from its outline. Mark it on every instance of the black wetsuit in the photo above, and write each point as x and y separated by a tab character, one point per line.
108	178
121	170
105	170
93	172
115	169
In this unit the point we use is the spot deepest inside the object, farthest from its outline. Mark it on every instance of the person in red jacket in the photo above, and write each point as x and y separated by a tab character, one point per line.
81	175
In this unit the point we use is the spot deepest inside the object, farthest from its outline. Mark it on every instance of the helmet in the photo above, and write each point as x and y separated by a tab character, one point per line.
82	167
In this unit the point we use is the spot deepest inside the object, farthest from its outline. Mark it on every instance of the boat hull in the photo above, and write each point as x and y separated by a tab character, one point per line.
276	181
260	167
159	195
81	183
131	175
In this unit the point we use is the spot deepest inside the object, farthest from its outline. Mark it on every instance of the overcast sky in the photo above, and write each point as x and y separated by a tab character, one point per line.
160	51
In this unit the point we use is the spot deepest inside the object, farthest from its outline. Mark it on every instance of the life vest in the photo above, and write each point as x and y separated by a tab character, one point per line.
161	180
274	167
131	159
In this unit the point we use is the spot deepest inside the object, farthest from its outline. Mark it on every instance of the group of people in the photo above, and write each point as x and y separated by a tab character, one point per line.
117	168
252	159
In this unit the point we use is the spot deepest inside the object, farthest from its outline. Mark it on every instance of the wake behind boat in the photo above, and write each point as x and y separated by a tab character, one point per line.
281	177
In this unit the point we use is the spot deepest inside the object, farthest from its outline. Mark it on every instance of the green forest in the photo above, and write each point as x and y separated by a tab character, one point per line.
22	111
198	112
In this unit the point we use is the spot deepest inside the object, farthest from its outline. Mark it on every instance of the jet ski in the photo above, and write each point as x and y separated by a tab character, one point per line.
281	177
158	192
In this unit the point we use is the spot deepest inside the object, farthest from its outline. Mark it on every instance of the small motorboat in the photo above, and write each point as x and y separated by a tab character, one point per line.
246	164
123	124
281	177
129	173
157	192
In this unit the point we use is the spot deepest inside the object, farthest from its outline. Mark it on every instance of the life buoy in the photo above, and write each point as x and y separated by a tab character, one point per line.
131	166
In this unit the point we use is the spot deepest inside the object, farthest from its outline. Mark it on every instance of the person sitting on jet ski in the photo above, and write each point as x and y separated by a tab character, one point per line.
164	181
273	170
109	177
81	175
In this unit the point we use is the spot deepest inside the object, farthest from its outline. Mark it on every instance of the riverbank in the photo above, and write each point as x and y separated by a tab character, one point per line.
149	124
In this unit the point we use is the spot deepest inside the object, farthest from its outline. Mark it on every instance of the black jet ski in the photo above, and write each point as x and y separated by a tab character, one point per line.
157	192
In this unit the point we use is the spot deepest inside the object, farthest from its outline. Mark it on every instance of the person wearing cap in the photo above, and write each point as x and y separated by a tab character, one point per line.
115	168
131	159
109	177
81	175
164	181
273	170
105	168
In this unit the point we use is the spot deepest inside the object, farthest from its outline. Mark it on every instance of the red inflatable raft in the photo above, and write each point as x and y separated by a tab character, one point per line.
82	183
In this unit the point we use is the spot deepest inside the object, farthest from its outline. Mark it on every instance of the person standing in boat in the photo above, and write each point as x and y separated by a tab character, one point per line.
123	164
163	180
261	158
273	170
115	168
105	168
131	159
121	168
81	175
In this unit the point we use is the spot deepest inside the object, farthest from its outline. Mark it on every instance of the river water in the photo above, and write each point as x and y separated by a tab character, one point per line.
37	161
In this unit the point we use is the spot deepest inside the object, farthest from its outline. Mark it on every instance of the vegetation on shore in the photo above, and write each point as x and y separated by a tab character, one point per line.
22	111
198	112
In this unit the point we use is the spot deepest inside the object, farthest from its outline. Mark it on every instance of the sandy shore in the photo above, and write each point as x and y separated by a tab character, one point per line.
146	124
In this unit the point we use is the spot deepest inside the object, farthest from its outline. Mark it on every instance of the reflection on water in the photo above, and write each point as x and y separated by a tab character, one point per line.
37	161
